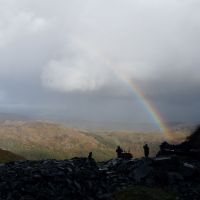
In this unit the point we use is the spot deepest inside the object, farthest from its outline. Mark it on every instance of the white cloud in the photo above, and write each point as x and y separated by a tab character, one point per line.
141	39
96	41
16	23
81	72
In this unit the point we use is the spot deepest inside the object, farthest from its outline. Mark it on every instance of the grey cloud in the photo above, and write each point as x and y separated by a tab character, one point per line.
71	55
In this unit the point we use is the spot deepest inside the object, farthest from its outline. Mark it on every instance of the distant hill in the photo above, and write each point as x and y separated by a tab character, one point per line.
13	117
41	140
6	156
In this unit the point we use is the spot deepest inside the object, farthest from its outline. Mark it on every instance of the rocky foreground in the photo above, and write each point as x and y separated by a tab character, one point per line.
82	178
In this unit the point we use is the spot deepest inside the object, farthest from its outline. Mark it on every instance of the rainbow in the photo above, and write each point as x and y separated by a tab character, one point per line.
148	105
151	109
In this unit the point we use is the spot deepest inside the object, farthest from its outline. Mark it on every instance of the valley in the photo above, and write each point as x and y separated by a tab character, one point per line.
43	140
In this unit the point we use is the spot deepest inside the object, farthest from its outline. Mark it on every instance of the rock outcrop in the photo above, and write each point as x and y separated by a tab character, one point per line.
189	148
176	168
82	178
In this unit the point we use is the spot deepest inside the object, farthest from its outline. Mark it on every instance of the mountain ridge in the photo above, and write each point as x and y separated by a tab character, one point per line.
42	140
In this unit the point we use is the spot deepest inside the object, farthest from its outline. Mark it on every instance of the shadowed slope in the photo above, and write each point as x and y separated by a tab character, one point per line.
6	156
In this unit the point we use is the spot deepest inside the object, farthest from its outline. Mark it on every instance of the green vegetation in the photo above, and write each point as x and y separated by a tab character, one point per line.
143	193
40	140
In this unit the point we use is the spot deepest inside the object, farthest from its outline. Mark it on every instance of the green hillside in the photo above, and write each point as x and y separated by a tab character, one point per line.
39	140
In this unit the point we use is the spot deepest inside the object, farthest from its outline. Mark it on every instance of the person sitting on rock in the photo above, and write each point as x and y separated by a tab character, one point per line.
119	152
146	150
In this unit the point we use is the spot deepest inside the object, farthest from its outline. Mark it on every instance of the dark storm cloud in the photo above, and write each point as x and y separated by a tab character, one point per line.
70	58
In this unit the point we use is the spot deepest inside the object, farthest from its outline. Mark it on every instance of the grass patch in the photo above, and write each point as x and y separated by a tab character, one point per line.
143	193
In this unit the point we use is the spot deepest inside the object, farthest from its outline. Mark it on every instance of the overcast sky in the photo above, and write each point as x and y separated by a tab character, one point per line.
65	59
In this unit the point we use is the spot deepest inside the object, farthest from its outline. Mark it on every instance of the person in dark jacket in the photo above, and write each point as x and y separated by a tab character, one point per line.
146	150
119	152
